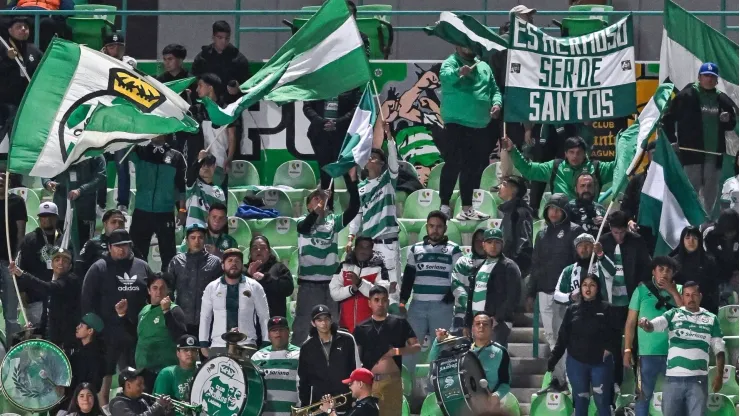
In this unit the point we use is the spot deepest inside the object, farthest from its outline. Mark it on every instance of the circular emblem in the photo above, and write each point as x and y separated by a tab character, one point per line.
190	341
283	225
553	401
424	198
294	169
219	387
378	72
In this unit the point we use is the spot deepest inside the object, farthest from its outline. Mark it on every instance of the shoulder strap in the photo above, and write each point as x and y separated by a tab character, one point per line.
662	302
555	166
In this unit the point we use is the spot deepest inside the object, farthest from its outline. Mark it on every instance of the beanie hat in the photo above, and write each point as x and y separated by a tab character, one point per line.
584	238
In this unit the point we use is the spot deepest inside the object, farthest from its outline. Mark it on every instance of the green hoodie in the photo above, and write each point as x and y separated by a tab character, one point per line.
468	100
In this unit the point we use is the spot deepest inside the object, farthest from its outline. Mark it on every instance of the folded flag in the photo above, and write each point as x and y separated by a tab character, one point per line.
466	31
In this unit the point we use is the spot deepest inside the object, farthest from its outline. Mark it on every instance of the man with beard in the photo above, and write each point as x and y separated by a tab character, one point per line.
584	211
201	192
230	303
568	290
217	241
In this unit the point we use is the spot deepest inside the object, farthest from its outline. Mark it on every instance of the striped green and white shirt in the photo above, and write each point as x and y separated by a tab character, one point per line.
619	286
433	265
481	285
377	216
199	199
317	251
570	279
690	335
461	274
281	378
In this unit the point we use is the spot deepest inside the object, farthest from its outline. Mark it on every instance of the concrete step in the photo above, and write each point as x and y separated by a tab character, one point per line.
527	380
524	395
524	408
528	365
525	349
525	334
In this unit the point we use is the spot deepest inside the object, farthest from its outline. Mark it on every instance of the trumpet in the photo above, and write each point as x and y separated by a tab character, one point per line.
180	406
313	409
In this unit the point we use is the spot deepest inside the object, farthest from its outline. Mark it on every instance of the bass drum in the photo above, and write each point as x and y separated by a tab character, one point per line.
457	384
227	387
34	374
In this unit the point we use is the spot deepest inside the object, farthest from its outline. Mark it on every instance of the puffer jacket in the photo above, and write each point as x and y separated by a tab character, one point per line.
353	305
192	272
517	227
124	406
553	250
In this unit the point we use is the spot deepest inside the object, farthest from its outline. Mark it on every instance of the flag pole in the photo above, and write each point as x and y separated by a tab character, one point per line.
377	98
7	242
598	236
688	149
18	61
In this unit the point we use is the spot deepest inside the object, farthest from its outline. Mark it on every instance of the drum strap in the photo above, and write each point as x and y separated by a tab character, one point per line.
477	355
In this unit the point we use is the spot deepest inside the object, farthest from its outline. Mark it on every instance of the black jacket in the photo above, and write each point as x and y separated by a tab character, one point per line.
517	227
701	268
88	365
229	65
318	376
631	201
34	255
13	83
503	292
191	273
94	249
63	306
124	406
684	115
365	407
724	251
314	111
278	285
89	175
635	258
589	328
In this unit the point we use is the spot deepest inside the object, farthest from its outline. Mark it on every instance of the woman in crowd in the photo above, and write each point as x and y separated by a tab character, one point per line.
84	402
591	334
274	277
695	263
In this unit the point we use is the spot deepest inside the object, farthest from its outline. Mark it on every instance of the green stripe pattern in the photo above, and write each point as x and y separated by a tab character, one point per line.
689	338
199	199
281	378
481	285
378	205
317	251
619	286
433	269
461	275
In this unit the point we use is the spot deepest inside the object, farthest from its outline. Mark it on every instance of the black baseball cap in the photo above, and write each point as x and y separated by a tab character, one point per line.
277	322
128	374
115	37
187	342
118	237
320	310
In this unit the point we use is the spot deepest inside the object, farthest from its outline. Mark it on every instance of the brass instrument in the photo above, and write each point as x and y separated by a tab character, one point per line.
313	409
180	406
236	351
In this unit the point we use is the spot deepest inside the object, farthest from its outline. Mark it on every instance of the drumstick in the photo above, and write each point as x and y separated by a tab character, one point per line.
45	377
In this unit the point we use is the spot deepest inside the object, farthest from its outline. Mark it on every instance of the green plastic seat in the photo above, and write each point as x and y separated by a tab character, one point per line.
483	201
405	409
510	405
624	400
231	203
430	406
403	235
729	383
434	176
402	164
728	320
30	197
422	370
578	27
31	224
243	173
720	405
543	202
656	405
404	256
453	233
277	200
595	8
551	404
293	265
406	381
281	232
420	203
239	229
296	174
489	178
628	381
155	259
537	226
88	29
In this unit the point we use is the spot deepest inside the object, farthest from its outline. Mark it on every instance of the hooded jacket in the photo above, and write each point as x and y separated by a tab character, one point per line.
353	305
63	306
553	249
124	406
318	374
13	83
160	177
699	267
635	258
191	273
229	65
517	227
466	267
278	285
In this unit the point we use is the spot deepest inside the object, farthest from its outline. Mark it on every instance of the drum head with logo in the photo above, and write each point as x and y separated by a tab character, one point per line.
34	373
457	384
226	387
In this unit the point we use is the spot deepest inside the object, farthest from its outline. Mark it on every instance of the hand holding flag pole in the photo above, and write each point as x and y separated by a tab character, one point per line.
18	61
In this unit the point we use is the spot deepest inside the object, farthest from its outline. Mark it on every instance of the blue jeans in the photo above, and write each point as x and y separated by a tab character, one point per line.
685	396
124	177
10	302
425	317
651	367
583	377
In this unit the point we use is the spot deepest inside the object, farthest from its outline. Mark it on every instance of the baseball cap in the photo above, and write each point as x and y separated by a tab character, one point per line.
111	212
127	374
584	238
521	9
195	227
93	321
320	310
115	37
187	342
48	208
493	234
709	68
232	252
360	374
118	237
61	252
277	322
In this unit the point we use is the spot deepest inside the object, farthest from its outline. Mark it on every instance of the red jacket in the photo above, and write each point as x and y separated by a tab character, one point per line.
354	307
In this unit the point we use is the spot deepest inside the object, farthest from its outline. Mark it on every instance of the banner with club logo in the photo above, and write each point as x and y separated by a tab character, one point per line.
566	80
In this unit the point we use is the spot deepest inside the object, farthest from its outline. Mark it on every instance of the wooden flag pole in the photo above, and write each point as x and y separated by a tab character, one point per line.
7	242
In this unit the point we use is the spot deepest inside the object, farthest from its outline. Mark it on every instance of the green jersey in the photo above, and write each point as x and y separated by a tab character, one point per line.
433	265
495	362
377	216
317	251
461	274
155	348
175	382
644	303
281	378
690	336
619	286
481	285
198	200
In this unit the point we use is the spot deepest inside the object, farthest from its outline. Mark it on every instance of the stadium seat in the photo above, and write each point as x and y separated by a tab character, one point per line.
277	200
293	266
239	229
155	259
510	405
536	227
420	203
31	224
296	174
400	201
291	312
434	177
231	203
406	381
628	381
430	406
87	29
551	404
624	400
729	383
281	232
483	201
656	405
545	197
453	233
489	178
243	173
728	320
403	235
466	250
720	405
402	164
406	410
31	198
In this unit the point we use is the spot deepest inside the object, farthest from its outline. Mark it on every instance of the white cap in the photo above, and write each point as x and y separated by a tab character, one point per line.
521	10
48	208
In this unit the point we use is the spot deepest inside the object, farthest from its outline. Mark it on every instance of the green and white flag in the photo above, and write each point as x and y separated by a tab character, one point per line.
466	31
632	142
567	80
325	58
687	43
359	139
668	203
81	103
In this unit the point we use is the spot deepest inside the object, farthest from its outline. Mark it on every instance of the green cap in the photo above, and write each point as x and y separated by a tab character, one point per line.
93	321
493	234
